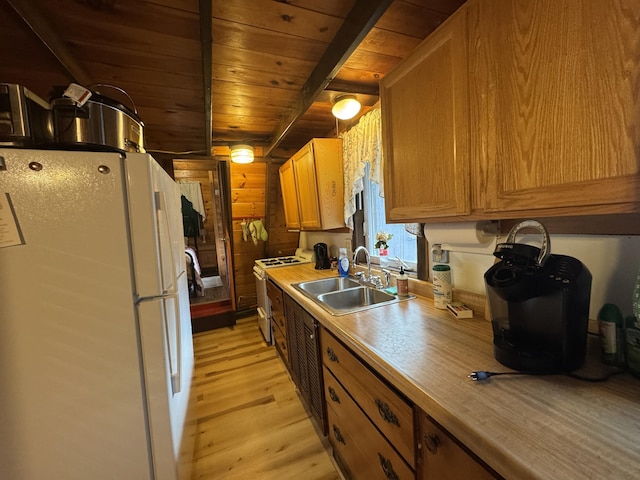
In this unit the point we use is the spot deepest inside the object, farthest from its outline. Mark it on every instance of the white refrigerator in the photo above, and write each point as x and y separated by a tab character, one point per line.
96	353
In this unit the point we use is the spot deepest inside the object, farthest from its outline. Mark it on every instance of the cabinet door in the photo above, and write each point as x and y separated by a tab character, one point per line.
307	187
312	353
426	128
289	197
443	459
294	362
556	104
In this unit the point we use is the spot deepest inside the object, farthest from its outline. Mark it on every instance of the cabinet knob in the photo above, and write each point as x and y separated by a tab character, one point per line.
332	355
385	412
333	395
387	468
432	442
338	435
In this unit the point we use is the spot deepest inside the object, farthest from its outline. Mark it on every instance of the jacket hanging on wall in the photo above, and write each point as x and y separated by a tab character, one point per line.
190	219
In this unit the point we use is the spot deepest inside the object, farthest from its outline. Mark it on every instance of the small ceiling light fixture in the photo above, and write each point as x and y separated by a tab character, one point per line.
345	107
241	153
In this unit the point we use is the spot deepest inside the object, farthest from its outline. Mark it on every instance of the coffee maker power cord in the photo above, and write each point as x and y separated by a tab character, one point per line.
484	375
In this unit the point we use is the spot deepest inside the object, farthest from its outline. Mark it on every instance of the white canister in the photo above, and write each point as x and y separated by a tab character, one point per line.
441	286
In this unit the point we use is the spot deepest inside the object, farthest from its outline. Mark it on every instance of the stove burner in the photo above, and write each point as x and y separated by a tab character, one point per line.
281	261
290	260
272	262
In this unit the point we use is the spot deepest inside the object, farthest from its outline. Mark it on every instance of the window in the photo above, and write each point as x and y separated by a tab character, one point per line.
402	244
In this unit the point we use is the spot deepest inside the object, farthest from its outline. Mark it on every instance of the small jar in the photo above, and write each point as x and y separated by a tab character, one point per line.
441	286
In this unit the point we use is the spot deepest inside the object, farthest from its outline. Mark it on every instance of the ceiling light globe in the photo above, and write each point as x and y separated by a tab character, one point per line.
241	153
346	107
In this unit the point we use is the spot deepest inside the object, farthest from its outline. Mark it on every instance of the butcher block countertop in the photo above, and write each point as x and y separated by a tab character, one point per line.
525	427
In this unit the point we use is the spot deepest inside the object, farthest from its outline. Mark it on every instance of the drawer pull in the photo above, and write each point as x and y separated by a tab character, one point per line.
338	435
386	413
432	442
333	395
332	355
387	468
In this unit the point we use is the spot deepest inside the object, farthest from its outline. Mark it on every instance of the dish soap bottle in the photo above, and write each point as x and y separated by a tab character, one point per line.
402	283
343	263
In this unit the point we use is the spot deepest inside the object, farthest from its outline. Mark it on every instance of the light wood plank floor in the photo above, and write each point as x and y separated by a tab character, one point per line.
251	422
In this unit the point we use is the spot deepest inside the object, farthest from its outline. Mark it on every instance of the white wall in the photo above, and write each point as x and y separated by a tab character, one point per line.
613	261
333	240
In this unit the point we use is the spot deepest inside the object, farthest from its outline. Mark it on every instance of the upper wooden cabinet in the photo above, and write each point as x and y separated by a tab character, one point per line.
318	180
426	128
517	108
289	197
555	106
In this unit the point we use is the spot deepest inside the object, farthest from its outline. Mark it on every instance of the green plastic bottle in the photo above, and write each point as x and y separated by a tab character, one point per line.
632	336
632	333
611	325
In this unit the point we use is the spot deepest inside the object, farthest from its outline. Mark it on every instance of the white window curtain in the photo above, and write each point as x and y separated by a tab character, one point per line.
361	144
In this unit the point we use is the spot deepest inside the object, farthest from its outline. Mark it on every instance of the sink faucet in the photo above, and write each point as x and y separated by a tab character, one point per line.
355	258
367	279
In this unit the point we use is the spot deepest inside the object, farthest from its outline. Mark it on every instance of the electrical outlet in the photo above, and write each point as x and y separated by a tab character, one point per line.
438	255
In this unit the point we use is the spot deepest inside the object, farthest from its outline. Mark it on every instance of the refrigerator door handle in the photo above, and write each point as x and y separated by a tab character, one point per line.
172	337
175	353
167	265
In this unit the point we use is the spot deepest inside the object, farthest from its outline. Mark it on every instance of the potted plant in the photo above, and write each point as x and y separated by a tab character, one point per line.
382	242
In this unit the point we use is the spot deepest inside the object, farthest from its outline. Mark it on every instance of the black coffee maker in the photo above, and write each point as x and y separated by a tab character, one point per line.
539	305
322	256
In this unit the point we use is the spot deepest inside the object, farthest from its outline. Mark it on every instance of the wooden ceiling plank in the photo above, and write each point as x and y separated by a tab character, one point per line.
246	37
279	17
250	77
273	62
206	54
42	28
361	18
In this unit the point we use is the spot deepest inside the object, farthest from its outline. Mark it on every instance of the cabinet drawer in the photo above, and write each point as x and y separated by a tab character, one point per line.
391	413
275	294
366	452
281	342
280	321
444	458
277	306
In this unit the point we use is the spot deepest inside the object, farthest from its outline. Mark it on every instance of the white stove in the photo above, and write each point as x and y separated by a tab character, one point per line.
264	306
301	256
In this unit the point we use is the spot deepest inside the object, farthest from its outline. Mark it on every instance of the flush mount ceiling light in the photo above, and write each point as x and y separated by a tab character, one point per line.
241	153
345	107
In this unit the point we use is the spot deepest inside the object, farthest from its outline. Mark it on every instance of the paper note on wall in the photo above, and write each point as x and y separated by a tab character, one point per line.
9	230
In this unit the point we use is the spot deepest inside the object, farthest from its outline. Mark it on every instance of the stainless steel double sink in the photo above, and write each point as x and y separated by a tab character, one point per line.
340	296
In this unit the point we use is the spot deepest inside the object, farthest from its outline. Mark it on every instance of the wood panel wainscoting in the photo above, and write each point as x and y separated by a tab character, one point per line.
248	193
250	421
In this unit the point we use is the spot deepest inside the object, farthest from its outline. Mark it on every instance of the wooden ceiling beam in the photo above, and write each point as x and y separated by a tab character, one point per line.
362	17
41	27
206	39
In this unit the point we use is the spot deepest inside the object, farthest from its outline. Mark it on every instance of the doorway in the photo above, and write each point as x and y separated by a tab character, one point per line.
209	247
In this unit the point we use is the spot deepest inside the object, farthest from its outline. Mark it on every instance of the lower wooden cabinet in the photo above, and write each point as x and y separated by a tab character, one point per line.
278	320
370	425
304	357
388	410
364	452
443	458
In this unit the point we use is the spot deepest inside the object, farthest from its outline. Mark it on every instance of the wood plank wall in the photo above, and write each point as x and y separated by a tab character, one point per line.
281	241
248	203
198	171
